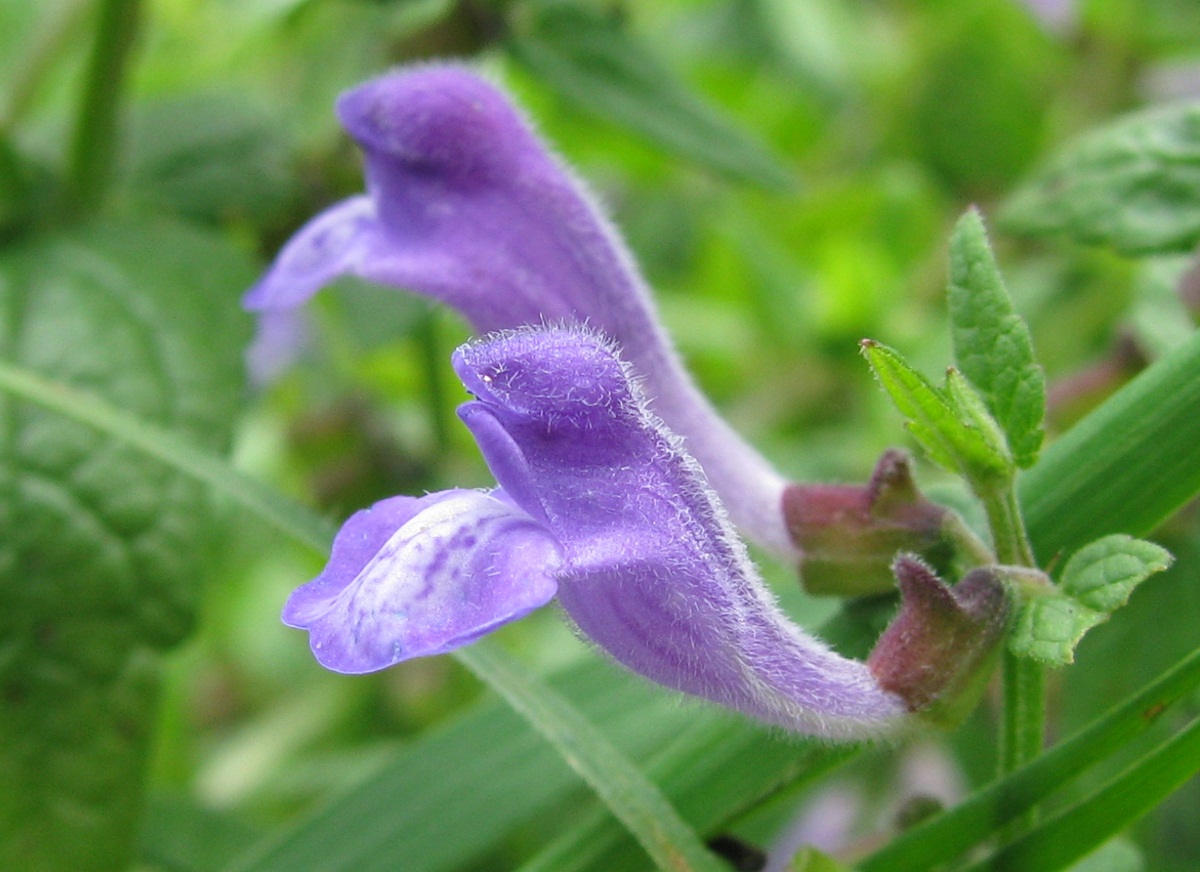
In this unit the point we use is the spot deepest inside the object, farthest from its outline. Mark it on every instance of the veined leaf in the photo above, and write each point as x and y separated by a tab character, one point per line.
1096	581
971	409
1133	185
992	345
1102	574
1048	627
103	549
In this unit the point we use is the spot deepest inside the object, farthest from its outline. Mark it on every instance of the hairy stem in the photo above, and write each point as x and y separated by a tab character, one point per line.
1023	728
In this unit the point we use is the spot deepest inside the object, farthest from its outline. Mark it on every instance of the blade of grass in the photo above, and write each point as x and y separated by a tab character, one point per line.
583	843
453	795
628	793
1076	831
986	812
714	772
1124	468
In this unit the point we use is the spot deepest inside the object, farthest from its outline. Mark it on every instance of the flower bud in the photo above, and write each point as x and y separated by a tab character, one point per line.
849	535
937	652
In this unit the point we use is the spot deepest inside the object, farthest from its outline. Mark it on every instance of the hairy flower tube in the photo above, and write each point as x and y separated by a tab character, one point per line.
467	206
600	506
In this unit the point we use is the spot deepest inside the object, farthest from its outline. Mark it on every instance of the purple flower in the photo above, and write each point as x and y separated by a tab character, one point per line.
600	504
465	204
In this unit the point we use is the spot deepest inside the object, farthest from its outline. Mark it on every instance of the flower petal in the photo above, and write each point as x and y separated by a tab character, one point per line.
470	208
653	572
411	577
333	244
282	336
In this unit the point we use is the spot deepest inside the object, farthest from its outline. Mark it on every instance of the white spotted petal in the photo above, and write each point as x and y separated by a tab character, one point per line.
412	577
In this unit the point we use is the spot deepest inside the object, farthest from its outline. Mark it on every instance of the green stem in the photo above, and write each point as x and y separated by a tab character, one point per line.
94	147
1023	729
1024	712
1008	530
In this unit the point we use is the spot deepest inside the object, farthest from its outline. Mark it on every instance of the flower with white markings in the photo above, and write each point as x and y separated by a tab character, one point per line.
599	505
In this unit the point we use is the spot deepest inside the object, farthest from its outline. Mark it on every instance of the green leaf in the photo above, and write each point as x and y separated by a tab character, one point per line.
1102	574
1133	184
950	425
212	157
1126	467
986	812
591	60
631	796
716	769
265	503
104	549
1070	834
971	410
453	795
1096	581
992	345
1048	627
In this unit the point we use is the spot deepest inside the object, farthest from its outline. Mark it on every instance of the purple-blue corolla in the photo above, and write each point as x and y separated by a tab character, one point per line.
466	205
600	505
609	462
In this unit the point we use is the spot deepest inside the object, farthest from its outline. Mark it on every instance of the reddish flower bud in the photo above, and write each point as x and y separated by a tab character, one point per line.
939	649
850	534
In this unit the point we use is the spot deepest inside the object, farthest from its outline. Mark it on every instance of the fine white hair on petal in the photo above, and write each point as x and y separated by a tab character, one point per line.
653	572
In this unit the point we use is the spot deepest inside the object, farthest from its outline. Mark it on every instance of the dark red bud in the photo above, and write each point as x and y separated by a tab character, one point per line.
849	534
938	649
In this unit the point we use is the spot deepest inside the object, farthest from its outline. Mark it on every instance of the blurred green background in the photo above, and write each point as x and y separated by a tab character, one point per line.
787	172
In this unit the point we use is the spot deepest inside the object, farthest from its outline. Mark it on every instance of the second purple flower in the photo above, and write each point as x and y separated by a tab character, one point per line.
466	205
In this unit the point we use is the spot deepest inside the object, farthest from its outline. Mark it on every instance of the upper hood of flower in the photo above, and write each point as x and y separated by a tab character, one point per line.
466	205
